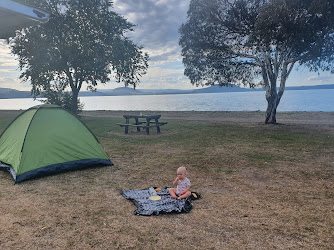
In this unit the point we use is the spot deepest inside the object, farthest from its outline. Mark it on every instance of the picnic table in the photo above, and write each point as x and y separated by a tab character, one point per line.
142	121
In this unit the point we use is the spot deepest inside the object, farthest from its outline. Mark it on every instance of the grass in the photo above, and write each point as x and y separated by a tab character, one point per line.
262	187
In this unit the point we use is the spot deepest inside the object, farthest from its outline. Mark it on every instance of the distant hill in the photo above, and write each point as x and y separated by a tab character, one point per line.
123	91
327	86
7	93
166	91
90	93
234	88
111	92
219	89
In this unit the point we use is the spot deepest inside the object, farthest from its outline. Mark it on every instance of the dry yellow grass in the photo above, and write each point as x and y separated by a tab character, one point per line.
262	187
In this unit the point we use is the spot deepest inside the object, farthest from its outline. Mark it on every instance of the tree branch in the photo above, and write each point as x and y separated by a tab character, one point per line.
268	65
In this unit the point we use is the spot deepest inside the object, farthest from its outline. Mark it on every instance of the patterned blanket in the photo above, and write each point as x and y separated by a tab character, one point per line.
145	206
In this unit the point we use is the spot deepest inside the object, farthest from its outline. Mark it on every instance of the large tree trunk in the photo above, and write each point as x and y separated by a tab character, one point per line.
74	104
271	109
273	99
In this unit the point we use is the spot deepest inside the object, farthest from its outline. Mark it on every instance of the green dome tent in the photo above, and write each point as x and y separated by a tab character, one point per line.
47	139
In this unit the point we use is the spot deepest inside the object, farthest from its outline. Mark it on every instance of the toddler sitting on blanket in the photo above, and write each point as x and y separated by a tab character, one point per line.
182	184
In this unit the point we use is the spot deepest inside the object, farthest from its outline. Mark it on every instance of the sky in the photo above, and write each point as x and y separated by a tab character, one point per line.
157	23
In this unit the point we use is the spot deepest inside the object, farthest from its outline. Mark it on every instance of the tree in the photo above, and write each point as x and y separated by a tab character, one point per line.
83	42
256	42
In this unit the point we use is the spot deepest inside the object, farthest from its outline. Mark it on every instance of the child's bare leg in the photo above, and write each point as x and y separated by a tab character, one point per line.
187	194
172	192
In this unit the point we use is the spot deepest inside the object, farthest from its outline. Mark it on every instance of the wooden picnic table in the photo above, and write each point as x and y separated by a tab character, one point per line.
142	121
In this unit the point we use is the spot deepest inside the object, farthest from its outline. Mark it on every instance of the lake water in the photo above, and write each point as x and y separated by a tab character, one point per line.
292	100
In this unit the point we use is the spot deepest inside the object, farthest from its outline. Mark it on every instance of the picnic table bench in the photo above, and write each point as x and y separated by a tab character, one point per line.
142	121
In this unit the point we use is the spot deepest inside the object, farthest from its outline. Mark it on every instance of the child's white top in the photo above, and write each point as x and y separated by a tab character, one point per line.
182	185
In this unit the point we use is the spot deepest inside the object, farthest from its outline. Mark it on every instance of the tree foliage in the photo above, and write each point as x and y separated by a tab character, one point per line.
256	42
83	42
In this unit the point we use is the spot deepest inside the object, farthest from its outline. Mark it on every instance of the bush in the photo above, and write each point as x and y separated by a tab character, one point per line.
61	98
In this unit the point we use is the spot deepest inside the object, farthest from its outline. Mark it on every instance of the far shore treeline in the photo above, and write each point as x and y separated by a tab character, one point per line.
7	93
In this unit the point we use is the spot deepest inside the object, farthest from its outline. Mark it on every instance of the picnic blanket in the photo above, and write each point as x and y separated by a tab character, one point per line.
145	206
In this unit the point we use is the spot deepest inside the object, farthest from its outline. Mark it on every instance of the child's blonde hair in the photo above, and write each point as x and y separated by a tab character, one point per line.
182	169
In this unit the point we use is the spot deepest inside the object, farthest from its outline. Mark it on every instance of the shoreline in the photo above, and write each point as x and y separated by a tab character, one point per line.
317	118
293	117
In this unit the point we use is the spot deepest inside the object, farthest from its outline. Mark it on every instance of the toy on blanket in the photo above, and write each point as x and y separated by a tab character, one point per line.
155	198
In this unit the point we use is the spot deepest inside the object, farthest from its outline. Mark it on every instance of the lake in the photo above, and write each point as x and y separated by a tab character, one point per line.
292	100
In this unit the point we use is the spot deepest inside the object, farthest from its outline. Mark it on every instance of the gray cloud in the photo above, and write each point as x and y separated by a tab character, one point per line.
6	80
157	23
321	78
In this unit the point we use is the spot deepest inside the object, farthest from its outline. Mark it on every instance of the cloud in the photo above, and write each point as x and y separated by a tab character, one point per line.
7	60
5	70
157	24
324	79
166	55
8	63
159	77
6	80
14	83
5	50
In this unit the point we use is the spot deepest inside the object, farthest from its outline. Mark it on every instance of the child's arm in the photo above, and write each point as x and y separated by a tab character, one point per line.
175	182
185	191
